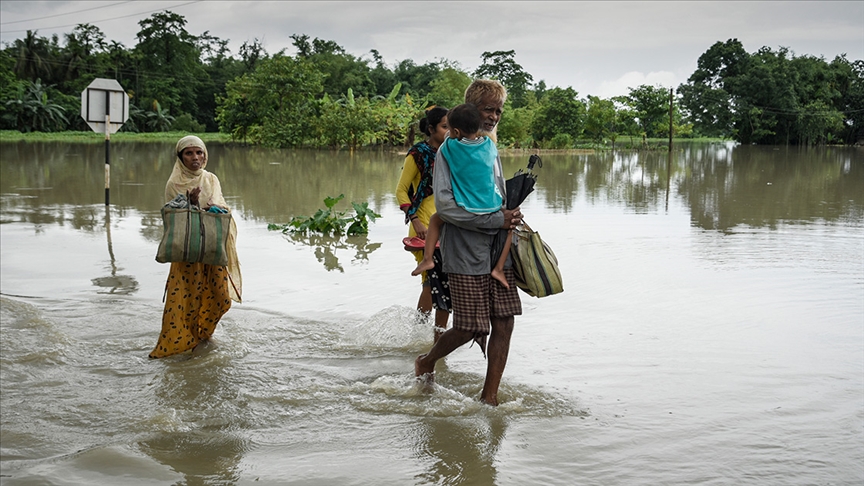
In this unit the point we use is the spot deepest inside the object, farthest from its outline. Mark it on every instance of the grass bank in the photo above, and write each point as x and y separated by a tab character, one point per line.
581	146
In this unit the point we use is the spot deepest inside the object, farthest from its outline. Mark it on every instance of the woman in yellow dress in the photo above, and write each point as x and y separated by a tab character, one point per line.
197	295
416	200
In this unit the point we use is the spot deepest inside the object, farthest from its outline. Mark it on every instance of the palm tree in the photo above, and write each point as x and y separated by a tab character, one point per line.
32	58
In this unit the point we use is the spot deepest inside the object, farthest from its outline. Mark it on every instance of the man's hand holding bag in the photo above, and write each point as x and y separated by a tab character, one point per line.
534	263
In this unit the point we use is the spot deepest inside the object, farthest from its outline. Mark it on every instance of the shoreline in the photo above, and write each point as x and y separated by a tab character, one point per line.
12	136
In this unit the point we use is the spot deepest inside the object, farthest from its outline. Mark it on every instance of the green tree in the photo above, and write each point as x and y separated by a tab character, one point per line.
626	120
416	79
277	101
817	123
501	65
651	106
219	68
251	53
9	88
772	97
235	113
342	70
708	95
600	119
79	57
172	60
33	57
448	87
117	62
852	101
514	129
560	111
347	120
381	76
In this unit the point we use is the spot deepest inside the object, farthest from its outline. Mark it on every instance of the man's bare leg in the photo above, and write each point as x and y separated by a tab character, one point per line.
441	318
446	344
497	352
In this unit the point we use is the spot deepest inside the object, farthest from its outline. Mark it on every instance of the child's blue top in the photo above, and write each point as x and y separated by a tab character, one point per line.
472	172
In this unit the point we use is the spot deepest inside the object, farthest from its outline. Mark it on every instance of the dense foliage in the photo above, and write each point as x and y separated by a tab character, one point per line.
324	96
773	97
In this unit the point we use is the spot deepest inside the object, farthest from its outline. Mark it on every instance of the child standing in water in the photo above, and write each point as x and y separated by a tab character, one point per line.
473	161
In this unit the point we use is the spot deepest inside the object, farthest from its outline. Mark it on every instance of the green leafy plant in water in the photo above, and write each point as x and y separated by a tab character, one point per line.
328	221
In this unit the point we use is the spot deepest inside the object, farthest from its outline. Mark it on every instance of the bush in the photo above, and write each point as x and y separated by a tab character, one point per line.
561	141
185	123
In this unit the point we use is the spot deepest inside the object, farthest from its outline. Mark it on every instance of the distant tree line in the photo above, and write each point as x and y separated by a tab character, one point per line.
324	96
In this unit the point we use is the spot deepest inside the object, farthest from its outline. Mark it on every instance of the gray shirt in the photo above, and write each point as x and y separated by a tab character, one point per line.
467	240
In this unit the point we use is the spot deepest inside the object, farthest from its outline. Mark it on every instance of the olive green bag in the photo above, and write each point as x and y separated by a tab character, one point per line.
534	263
194	236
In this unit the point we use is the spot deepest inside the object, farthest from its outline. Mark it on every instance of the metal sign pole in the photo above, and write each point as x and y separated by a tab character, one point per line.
107	156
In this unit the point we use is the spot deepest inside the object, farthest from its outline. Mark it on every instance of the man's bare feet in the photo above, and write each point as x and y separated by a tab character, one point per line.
423	266
500	277
423	371
492	402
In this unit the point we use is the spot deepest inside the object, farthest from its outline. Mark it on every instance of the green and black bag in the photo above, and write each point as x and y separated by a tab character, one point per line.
194	236
534	264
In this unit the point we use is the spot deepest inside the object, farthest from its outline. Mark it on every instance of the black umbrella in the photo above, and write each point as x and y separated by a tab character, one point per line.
522	183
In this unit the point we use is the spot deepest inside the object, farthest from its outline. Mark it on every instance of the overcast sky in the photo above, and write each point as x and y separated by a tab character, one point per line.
598	48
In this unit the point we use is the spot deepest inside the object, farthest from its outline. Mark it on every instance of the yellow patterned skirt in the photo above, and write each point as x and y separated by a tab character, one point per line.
196	297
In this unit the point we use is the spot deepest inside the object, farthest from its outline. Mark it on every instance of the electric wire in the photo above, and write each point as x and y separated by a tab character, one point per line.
103	20
62	14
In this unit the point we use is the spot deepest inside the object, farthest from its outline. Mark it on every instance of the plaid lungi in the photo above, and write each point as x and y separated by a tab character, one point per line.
477	298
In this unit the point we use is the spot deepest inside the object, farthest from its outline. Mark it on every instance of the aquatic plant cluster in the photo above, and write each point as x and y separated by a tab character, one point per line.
331	222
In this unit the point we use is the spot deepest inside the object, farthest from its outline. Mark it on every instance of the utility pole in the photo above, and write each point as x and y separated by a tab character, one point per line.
670	120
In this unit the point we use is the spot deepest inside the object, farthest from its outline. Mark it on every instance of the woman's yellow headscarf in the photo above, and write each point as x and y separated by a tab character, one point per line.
183	180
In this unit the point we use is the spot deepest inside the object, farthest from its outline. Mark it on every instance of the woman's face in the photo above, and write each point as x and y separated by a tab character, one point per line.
439	133
490	111
193	158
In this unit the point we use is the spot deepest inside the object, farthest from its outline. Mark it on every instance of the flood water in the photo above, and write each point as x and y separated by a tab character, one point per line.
711	330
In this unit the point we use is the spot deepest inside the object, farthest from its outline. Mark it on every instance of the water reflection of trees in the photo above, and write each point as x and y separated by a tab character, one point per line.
278	184
90	219
763	186
270	185
722	184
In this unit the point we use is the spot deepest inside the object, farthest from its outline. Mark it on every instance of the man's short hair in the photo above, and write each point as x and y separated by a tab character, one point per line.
485	88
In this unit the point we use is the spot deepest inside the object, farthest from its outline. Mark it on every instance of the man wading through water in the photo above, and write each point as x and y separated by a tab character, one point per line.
469	243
